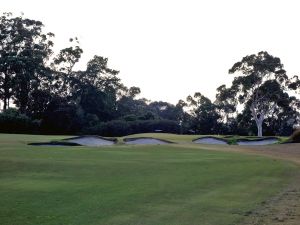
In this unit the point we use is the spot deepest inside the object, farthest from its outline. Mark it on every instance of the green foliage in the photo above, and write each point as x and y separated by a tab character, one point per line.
295	137
61	118
205	118
24	50
46	87
12	121
261	87
122	128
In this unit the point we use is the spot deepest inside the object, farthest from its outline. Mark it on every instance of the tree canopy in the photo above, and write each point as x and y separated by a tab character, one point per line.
261	85
42	92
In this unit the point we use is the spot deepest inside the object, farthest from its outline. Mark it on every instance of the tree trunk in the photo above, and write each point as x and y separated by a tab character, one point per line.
259	129
259	123
4	104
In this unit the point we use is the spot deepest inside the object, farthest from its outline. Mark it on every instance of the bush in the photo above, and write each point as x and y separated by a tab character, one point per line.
295	137
11	121
122	128
109	129
62	118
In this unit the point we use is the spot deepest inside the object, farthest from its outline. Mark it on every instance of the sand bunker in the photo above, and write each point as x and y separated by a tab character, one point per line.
145	141
267	141
210	141
93	141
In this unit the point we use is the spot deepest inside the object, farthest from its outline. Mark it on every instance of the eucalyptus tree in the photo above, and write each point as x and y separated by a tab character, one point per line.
96	89
261	83
128	107
205	118
5	52
63	68
226	103
24	52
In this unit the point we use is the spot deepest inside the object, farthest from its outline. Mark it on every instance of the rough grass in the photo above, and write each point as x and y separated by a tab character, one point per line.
131	184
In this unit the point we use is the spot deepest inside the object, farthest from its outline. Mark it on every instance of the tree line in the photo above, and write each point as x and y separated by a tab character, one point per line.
41	92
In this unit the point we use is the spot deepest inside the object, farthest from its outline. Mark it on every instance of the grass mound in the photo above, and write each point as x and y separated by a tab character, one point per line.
210	140
86	140
91	140
145	140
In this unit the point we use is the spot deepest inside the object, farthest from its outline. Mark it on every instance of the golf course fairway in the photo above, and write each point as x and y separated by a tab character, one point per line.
172	184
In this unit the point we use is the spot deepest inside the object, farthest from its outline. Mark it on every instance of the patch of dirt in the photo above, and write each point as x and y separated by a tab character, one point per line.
289	152
284	208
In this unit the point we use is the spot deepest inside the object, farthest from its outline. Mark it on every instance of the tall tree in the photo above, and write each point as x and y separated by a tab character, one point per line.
204	112
63	68
96	89
261	82
24	50
226	103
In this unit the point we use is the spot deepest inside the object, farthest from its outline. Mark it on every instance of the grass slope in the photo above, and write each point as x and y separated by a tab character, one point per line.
166	136
232	139
131	184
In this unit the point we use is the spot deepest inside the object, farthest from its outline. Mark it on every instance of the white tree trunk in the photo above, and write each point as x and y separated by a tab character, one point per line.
259	128
259	118
259	123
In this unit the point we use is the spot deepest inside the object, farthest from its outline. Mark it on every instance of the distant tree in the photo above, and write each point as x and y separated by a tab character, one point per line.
62	67
294	84
96	89
284	117
128	107
61	117
261	83
226	103
204	114
133	92
165	110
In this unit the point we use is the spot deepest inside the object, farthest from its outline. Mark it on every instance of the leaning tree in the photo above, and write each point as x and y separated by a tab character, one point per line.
261	83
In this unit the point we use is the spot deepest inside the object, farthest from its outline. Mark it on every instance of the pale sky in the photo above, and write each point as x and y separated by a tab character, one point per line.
172	48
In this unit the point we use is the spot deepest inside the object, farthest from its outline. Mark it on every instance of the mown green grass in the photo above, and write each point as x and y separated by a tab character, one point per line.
131	184
232	139
169	137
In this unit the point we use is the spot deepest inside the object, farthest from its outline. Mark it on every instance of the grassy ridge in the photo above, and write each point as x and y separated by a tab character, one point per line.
130	184
232	139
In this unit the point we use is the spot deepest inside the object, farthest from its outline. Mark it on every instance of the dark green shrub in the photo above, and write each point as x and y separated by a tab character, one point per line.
109	129
61	119
11	121
295	137
122	128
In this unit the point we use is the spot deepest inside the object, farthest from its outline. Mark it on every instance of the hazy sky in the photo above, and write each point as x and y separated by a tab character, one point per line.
170	48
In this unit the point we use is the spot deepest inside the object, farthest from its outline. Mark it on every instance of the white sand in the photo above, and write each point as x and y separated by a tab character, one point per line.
90	141
145	141
258	142
210	141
